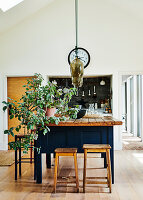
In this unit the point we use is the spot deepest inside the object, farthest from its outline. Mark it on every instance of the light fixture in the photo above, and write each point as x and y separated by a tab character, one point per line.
76	68
102	82
78	58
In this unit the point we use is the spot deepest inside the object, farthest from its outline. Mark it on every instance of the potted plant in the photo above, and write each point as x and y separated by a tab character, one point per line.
31	110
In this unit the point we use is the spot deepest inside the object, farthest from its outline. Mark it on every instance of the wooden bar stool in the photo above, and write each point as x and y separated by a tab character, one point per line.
20	159
97	148
65	152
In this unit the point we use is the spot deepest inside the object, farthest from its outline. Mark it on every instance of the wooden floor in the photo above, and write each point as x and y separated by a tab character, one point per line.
128	180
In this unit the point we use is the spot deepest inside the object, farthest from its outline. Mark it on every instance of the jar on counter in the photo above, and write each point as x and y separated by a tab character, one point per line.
102	103
96	106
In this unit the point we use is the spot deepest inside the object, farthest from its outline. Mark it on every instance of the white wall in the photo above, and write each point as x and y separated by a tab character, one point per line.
42	42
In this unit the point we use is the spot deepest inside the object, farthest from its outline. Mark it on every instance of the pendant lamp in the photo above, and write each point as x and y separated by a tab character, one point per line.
78	58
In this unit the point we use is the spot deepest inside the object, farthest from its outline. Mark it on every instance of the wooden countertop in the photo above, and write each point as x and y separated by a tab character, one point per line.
90	121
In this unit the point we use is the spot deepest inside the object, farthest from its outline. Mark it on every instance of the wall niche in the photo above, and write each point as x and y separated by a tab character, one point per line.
91	92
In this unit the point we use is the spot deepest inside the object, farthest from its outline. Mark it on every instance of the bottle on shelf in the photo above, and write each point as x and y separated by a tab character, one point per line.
77	93
109	111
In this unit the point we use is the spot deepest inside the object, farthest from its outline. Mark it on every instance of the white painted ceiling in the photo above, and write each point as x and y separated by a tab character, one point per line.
28	7
20	12
133	7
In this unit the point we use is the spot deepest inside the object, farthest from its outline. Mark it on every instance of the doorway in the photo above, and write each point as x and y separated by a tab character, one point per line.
15	90
132	115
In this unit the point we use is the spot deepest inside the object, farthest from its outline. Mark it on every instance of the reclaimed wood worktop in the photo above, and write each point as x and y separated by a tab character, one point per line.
91	121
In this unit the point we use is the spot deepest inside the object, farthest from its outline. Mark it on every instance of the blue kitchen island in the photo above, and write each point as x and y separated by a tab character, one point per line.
75	133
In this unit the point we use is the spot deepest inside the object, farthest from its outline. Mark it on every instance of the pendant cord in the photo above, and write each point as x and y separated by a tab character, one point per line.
76	22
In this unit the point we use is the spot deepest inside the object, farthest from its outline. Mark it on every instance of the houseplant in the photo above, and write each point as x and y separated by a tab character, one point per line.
32	107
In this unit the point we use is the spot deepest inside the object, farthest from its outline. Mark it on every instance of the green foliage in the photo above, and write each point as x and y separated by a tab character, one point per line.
30	110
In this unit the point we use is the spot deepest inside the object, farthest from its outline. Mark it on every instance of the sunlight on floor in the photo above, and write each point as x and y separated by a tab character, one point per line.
139	157
125	142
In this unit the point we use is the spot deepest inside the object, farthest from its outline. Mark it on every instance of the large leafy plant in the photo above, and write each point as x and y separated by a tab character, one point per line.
30	110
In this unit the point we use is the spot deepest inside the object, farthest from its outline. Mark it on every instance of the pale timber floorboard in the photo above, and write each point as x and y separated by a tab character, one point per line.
128	180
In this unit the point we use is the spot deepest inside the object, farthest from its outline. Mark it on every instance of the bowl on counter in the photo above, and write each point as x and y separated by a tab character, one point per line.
81	113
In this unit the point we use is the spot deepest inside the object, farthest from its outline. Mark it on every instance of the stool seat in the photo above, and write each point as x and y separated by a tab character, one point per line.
21	136
96	146
66	150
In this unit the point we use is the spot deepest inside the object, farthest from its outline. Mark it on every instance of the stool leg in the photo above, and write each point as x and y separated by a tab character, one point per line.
84	169
76	171
58	167
20	159
54	155
48	160
55	173
16	164
108	168
16	159
35	168
31	152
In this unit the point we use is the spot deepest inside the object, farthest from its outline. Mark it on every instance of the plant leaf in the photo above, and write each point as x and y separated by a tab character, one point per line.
4	108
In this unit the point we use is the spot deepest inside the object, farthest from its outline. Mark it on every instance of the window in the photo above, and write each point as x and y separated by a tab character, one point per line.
8	4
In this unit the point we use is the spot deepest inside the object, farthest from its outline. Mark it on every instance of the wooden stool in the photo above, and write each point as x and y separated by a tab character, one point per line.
65	152
22	160
97	148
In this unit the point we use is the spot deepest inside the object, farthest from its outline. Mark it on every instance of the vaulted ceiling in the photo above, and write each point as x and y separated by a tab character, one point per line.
134	7
28	7
20	12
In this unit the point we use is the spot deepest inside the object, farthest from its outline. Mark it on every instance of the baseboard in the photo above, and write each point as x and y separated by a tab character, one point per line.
3	146
118	147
